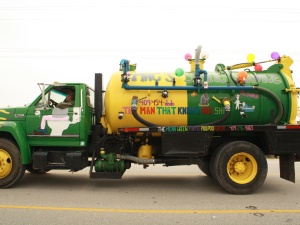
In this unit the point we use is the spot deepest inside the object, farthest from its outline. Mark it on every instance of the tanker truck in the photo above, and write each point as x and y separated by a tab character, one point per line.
225	121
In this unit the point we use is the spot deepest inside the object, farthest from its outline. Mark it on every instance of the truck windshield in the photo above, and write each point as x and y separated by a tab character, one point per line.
56	95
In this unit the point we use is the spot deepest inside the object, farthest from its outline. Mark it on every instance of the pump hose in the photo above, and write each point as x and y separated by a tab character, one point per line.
218	122
140	119
137	159
278	102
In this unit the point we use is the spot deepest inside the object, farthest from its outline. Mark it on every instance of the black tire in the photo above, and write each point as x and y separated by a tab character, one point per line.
11	168
204	166
239	167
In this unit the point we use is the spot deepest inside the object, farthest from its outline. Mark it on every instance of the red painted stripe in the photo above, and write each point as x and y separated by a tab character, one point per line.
293	127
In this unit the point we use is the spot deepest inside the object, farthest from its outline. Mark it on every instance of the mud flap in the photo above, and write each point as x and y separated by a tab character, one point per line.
287	167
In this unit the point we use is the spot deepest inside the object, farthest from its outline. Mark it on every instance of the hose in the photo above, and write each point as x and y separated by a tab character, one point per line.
137	159
277	100
218	122
136	115
141	120
234	81
226	104
168	161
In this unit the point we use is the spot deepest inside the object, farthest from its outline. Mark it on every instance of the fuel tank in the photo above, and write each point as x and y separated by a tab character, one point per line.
164	99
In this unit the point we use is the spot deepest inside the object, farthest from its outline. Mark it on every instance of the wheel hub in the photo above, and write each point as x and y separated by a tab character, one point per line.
242	168
239	167
5	163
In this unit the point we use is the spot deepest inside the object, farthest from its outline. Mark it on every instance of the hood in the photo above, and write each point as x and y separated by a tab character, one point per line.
13	114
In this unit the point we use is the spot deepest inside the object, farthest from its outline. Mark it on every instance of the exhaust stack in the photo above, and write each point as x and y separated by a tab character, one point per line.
98	97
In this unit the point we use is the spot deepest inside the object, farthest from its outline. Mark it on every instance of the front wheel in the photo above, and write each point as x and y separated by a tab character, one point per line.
11	168
239	167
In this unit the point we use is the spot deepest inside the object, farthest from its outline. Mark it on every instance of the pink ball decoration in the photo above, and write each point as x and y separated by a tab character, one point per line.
187	56
258	67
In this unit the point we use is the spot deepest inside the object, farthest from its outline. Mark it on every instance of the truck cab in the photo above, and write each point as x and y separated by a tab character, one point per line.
48	137
48	125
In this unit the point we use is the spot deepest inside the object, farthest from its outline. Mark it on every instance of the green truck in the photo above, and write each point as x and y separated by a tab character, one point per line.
224	121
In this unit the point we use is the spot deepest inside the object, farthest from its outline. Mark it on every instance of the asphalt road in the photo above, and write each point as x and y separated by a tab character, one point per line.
156	195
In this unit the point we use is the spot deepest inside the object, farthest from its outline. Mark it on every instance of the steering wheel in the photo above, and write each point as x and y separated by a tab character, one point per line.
52	103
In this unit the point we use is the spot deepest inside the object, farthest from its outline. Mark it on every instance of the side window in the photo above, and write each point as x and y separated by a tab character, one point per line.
58	96
90	97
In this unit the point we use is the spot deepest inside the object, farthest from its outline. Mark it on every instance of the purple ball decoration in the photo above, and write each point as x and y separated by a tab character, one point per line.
275	55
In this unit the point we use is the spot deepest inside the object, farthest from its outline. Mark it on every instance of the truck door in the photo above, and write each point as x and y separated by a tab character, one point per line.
55	122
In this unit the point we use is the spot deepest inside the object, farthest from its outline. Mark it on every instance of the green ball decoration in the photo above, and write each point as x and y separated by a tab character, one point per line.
179	72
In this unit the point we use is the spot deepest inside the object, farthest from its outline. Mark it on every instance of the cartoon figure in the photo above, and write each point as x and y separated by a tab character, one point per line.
58	121
237	102
245	108
204	100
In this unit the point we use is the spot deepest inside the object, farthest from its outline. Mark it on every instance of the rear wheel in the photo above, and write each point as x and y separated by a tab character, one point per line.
11	168
239	167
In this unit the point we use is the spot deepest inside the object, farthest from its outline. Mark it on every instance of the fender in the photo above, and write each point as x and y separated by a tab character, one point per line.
18	134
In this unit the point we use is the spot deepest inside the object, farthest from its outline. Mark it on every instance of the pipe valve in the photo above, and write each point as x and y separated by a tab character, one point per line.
134	102
165	94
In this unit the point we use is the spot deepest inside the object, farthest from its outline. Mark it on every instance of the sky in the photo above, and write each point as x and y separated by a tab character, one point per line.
46	41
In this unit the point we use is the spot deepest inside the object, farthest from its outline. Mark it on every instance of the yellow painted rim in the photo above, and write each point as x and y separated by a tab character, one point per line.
5	163
242	168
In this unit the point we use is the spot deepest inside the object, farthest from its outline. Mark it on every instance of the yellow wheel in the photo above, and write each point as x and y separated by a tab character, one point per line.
11	168
239	167
5	163
242	168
